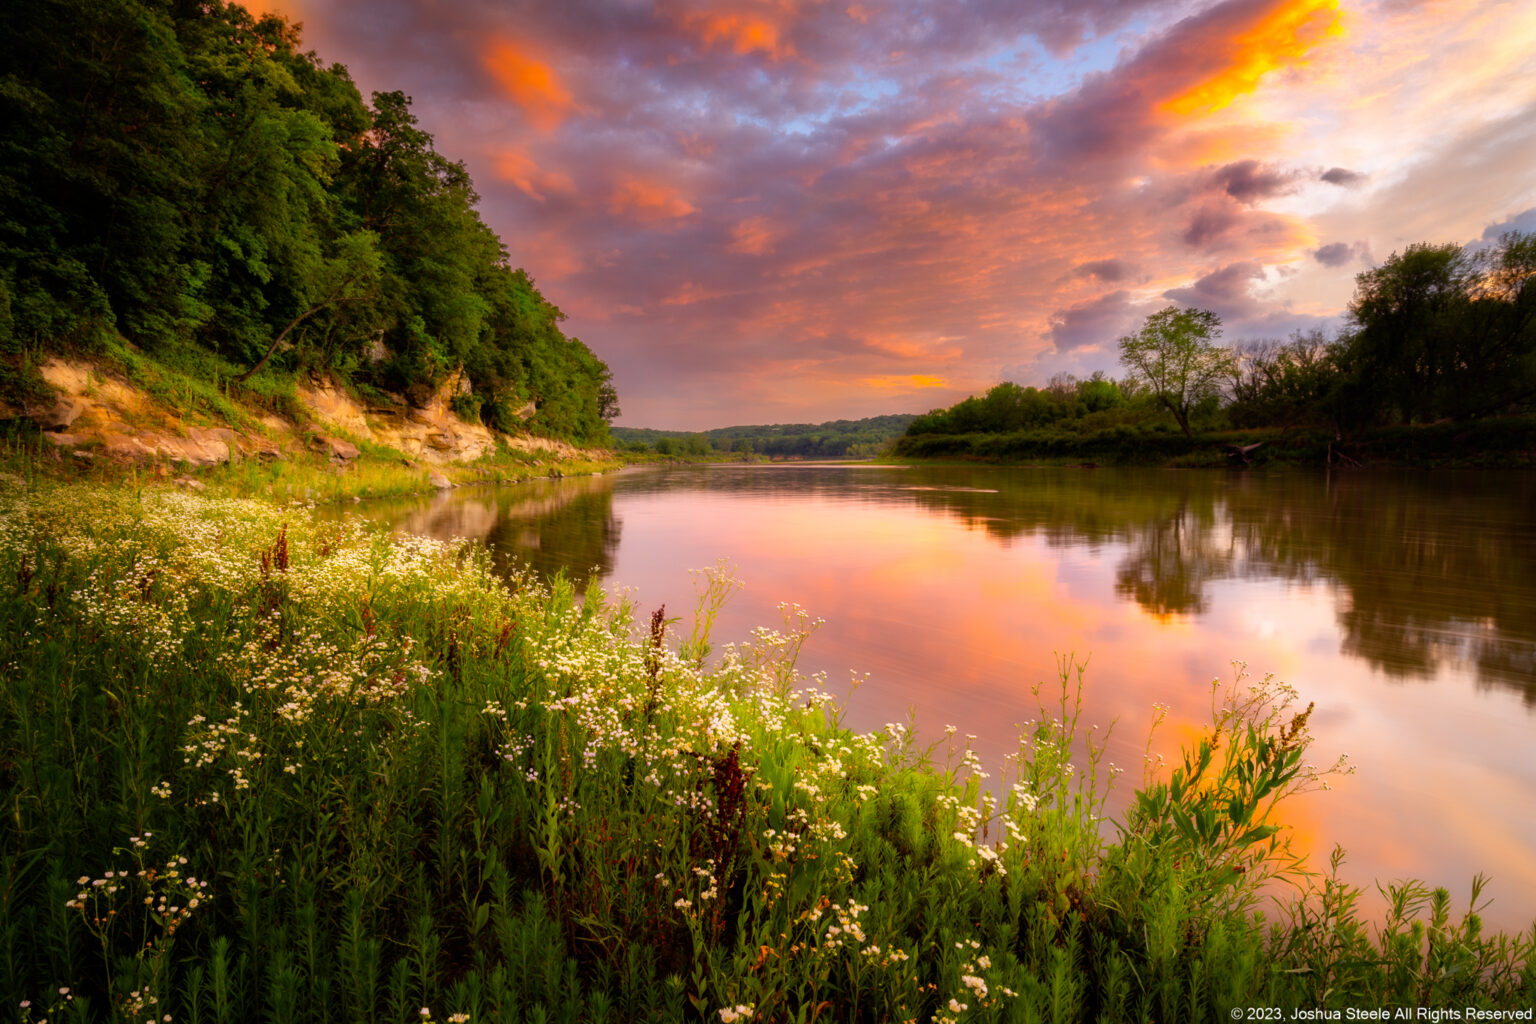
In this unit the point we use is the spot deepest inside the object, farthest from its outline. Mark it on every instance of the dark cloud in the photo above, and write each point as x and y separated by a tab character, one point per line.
1108	271
1524	223
1226	292
1334	254
1208	224
1249	181
1095	322
1342	176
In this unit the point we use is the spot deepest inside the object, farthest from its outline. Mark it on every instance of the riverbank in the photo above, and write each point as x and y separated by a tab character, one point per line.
134	419
1492	443
357	775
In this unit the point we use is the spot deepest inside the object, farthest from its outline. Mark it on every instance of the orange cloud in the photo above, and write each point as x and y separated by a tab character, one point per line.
904	382
755	236
648	201
691	292
745	33
517	168
531	84
1283	38
1217	142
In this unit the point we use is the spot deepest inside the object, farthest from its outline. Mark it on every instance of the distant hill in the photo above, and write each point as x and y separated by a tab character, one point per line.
833	439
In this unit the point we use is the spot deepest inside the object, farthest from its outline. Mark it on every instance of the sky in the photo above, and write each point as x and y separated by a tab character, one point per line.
768	211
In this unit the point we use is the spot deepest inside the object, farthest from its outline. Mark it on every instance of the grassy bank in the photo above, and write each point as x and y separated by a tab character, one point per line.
301	475
1508	442
259	767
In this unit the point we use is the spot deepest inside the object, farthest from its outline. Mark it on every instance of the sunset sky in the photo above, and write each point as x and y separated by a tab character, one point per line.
790	210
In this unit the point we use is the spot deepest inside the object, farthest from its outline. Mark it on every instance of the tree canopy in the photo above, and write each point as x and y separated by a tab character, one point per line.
184	175
1441	331
1174	357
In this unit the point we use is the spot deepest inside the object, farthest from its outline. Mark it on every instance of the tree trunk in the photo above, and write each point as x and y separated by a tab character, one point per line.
272	348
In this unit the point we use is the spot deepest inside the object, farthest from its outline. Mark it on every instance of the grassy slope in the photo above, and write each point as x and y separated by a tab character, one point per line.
259	767
194	388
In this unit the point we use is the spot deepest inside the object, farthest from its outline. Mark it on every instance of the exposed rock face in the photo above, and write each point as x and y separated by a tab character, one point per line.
431	433
96	409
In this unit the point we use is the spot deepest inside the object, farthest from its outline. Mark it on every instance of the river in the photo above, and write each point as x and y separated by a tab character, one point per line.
1402	604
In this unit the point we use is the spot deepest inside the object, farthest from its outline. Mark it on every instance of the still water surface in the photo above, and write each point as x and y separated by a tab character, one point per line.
1403	605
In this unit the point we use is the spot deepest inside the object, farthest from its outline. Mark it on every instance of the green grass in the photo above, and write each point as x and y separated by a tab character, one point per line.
260	767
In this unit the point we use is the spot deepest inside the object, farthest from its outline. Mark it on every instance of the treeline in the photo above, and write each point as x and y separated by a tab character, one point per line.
1437	333
831	440
1008	407
182	175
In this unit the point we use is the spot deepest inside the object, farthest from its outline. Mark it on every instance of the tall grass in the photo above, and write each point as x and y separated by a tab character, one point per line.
259	767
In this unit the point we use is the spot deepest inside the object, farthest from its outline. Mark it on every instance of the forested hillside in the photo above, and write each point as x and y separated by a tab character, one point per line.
833	439
181	176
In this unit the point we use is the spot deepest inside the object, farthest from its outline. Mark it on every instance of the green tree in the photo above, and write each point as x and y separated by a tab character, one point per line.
1286	384
1407	313
1173	357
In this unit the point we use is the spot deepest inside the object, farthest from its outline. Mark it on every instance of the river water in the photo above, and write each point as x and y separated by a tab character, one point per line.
1403	605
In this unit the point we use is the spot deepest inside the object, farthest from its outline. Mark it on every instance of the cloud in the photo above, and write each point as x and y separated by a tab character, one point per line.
1097	321
1342	176
1227	292
1334	254
519	169
742	32
530	83
1109	271
1249	181
1282	35
1523	222
1201	65
909	382
755	236
646	201
1208	224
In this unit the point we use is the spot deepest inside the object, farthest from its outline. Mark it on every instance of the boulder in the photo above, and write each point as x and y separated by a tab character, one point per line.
338	449
64	412
439	481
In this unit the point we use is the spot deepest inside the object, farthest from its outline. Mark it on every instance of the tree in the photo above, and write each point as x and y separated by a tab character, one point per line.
1174	358
350	276
1407	314
1447	330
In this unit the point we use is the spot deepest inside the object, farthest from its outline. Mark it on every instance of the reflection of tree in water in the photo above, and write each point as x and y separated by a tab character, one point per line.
1432	569
1170	561
579	538
552	525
